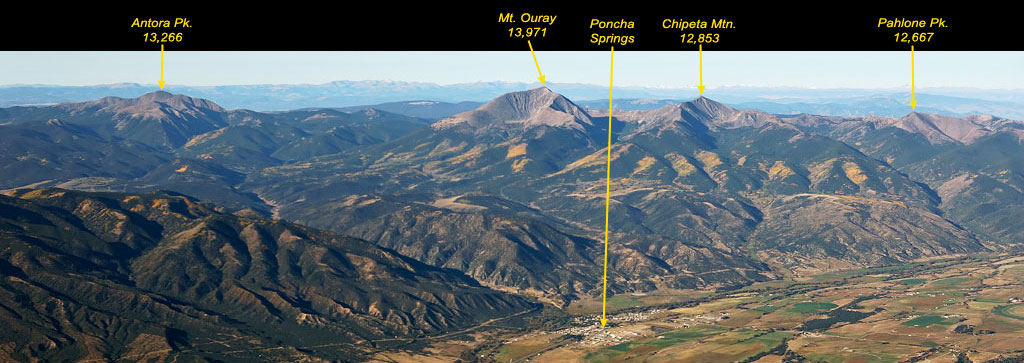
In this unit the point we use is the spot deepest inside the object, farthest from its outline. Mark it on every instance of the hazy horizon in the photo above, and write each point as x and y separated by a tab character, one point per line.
519	83
818	70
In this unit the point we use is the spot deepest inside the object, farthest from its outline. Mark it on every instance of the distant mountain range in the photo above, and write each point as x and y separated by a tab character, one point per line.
889	104
426	224
386	95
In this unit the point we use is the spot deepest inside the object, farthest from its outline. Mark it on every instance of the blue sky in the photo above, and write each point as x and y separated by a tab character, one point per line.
990	70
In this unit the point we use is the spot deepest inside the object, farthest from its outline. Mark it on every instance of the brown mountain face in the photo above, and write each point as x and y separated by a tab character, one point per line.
158	105
512	250
973	165
518	135
696	187
525	110
942	129
115	276
936	129
817	229
175	142
157	119
701	113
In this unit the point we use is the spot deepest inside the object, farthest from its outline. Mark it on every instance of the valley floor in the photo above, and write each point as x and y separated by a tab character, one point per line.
925	311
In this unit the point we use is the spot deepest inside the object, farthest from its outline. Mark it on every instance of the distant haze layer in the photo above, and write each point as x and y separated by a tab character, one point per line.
267	97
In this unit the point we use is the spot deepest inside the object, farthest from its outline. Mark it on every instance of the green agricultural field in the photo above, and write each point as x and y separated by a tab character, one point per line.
683	335
811	307
511	352
928	320
1010	311
832	358
623	302
988	300
950	282
736	346
653	344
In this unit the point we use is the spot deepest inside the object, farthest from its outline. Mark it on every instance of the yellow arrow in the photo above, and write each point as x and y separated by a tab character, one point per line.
161	82
700	51
913	86
607	194
541	78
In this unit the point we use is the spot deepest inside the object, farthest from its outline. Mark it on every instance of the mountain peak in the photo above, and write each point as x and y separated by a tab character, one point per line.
530	108
157	96
942	129
149	104
178	101
156	118
706	106
542	90
702	111
539	95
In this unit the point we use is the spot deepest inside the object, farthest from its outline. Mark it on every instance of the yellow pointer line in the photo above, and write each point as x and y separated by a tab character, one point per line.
607	192
161	66
913	78
535	62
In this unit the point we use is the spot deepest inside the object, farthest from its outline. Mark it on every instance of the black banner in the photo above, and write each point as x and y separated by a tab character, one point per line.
441	27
